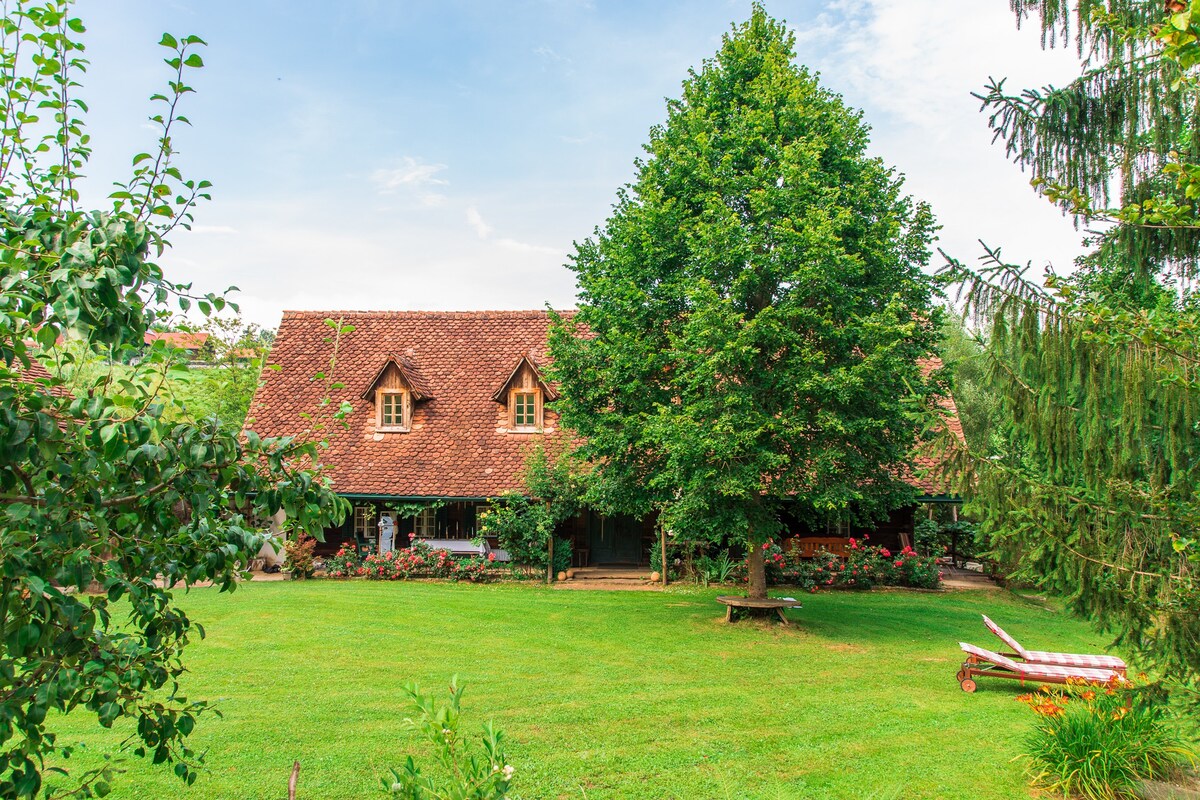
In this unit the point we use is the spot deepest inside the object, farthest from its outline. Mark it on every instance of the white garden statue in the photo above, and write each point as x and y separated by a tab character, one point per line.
387	532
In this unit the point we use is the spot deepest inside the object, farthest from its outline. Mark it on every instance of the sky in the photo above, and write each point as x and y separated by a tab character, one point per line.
388	154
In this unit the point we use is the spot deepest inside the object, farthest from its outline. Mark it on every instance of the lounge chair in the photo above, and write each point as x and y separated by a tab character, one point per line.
1063	659
985	662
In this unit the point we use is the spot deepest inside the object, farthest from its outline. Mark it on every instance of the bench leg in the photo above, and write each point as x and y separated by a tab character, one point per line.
782	617
728	614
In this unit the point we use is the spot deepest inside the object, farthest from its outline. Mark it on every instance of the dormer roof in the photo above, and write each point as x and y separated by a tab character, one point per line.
524	362
414	381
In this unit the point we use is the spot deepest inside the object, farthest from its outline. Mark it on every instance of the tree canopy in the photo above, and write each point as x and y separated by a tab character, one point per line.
752	315
1094	489
105	505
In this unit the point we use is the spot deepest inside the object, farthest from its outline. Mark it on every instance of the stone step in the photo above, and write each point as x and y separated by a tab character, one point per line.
611	575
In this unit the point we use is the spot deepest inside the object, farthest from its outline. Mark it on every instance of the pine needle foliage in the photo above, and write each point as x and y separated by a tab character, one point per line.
752	315
1104	139
1095	490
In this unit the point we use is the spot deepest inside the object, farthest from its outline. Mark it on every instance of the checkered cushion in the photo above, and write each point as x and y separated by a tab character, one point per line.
988	655
1076	660
1032	671
1008	640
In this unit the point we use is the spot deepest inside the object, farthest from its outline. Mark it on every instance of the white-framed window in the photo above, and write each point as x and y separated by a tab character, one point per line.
838	527
393	410
425	523
364	523
525	407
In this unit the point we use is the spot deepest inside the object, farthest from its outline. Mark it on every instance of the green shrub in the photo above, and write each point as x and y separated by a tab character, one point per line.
523	528
465	774
720	569
298	555
1099	741
959	538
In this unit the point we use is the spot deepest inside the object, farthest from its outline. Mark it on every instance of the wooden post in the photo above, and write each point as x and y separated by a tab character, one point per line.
662	535
550	550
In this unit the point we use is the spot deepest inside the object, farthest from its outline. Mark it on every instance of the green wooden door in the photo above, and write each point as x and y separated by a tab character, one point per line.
615	540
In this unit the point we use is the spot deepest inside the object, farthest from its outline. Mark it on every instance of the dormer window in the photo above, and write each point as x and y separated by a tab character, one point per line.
396	388
524	392
393	410
526	408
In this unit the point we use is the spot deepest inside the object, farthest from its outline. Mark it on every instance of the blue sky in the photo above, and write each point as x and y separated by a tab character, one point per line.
368	154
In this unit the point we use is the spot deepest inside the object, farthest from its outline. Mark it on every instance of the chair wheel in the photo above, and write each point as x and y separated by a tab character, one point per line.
967	685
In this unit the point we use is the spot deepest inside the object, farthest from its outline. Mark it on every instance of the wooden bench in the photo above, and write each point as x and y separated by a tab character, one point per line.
811	546
769	604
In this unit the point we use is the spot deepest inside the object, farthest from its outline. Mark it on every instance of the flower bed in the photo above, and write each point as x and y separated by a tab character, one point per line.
864	567
418	560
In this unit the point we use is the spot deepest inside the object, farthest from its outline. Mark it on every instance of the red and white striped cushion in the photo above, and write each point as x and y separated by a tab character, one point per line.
1045	657
988	655
1034	671
1008	640
1076	660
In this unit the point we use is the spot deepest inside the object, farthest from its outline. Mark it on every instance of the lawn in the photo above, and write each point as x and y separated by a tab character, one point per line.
604	694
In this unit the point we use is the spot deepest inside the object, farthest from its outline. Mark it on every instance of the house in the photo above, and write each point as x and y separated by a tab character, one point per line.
446	405
192	344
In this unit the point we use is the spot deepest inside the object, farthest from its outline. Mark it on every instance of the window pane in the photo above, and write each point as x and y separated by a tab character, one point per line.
364	522
391	411
425	524
524	412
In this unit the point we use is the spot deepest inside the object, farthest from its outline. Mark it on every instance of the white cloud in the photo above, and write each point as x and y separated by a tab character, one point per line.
525	247
411	173
915	88
587	137
475	220
550	54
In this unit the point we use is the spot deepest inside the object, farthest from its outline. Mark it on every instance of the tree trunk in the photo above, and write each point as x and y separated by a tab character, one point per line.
758	572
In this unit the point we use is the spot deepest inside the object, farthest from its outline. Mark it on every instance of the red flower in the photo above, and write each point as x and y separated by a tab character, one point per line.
883	551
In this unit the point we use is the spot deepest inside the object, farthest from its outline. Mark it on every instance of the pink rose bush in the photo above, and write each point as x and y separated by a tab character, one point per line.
864	566
418	560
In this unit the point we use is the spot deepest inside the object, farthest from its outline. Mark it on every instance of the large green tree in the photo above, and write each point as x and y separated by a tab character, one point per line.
752	315
105	505
1095	490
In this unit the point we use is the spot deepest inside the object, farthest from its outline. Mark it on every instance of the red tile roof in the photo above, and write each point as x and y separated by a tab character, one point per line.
36	372
930	457
184	340
458	445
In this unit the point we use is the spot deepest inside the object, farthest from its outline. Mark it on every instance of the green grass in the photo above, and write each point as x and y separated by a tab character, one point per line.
604	694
